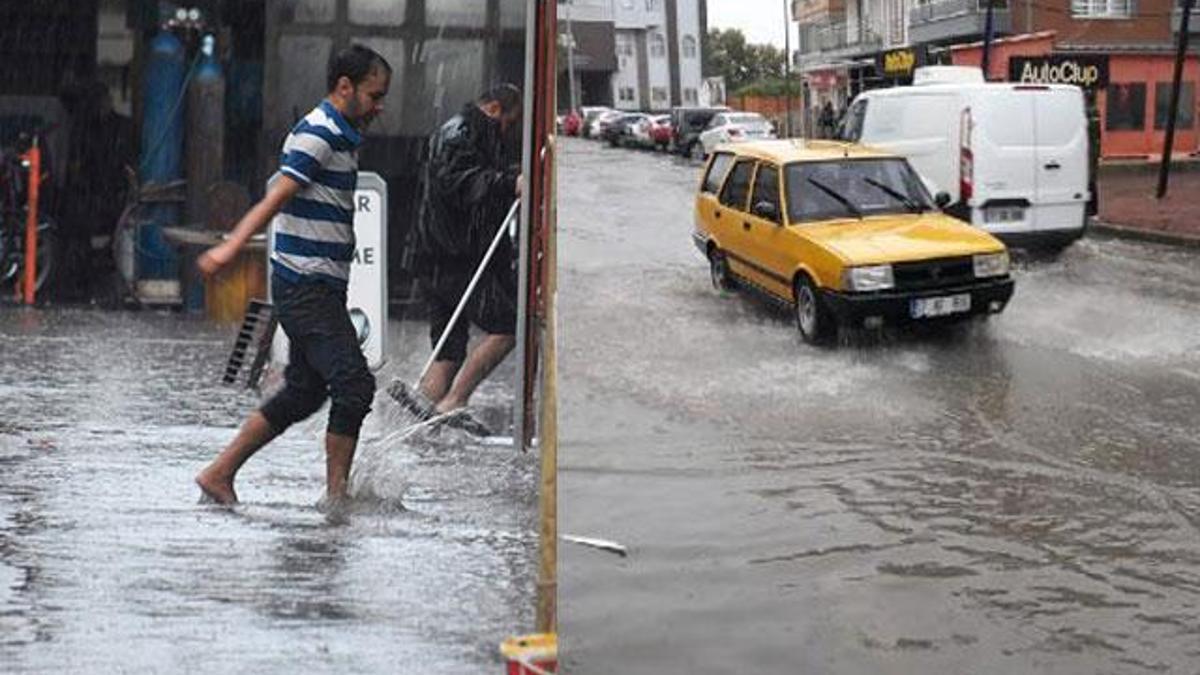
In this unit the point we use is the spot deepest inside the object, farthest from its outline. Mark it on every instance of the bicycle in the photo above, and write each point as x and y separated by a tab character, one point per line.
14	209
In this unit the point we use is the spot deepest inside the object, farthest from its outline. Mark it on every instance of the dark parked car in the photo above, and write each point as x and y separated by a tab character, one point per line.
686	125
619	131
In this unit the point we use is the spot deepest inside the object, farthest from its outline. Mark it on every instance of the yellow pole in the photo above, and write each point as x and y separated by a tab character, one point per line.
547	607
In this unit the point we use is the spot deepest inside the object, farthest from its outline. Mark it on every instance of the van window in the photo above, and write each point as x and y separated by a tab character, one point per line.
737	187
1006	119
766	188
853	121
716	172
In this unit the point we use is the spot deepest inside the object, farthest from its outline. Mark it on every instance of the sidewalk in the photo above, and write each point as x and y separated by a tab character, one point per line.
1128	207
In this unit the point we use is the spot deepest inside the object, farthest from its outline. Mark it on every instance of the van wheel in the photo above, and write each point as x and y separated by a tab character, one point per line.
812	319
718	270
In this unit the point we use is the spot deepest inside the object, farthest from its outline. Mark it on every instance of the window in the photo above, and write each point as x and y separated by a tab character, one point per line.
659	94
1102	9
689	47
658	45
737	188
1126	106
1162	104
626	93
690	97
716	172
766	190
653	5
853	122
816	190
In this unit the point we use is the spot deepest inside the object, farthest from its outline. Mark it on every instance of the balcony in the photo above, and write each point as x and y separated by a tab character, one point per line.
816	11
946	20
1193	20
838	37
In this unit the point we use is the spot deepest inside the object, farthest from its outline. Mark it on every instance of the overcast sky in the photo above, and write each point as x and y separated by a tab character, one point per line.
760	20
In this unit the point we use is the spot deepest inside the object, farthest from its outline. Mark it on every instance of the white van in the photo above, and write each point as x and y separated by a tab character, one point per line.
1012	157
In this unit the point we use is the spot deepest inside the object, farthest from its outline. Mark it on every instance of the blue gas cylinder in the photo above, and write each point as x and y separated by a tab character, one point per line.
162	149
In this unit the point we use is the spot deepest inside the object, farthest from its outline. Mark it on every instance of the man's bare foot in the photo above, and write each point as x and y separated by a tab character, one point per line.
214	488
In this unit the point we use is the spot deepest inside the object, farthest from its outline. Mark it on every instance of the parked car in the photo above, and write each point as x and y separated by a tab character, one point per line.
686	125
844	234
620	131
602	121
735	127
660	131
590	113
1013	157
571	123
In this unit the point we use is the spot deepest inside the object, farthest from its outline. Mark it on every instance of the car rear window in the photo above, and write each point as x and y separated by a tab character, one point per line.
737	187
716	172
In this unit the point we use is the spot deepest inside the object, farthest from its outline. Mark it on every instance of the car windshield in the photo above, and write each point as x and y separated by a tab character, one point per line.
852	188
748	121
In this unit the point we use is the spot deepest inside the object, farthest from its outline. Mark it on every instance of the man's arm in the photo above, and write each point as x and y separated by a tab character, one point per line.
282	189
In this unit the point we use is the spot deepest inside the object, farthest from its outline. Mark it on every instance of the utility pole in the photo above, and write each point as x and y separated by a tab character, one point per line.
787	68
570	58
987	40
1164	169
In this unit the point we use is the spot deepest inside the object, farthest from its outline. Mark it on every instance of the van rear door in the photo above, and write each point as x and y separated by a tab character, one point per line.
1002	142
1062	159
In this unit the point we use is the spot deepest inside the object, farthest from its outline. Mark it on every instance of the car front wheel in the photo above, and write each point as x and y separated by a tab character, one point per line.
718	269
812	319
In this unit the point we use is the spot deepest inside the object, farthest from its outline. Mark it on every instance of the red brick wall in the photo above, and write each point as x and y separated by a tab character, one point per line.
1151	26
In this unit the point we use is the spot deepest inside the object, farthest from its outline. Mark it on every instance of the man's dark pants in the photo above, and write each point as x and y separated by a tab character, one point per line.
324	359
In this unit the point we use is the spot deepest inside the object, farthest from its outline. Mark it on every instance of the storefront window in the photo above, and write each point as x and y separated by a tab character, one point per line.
1126	106
1162	105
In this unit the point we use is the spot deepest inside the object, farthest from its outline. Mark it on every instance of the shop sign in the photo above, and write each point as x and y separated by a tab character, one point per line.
899	63
1089	72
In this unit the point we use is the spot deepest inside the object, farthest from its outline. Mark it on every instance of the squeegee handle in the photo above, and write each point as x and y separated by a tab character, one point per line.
462	303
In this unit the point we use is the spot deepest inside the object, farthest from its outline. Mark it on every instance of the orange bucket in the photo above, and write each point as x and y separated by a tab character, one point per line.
535	654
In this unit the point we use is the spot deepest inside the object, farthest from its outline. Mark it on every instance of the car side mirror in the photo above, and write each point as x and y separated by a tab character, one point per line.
766	210
942	199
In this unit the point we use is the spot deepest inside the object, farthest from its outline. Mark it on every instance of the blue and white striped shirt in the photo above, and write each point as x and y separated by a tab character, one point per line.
314	231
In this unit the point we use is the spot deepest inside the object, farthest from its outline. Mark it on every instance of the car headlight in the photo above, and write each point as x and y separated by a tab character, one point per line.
871	278
991	265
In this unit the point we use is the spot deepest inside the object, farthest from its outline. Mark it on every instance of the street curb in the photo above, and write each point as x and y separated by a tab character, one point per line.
1145	167
1155	236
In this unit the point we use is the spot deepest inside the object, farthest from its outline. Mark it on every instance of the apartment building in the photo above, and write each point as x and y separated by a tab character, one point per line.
1119	51
632	54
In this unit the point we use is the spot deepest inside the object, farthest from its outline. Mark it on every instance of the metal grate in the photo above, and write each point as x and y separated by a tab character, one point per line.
940	273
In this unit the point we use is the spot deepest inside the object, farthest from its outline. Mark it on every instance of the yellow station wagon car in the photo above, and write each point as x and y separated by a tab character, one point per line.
845	234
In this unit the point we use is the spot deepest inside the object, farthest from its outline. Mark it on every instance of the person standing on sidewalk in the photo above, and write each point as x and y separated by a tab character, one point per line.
471	183
310	201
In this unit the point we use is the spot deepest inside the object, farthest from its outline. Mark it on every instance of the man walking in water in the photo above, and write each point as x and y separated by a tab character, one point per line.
311	204
473	177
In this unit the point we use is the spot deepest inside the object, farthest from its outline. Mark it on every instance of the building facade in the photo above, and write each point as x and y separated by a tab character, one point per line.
631	54
1120	52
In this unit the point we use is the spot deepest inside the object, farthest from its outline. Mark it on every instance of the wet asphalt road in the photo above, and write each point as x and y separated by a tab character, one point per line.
1018	496
107	563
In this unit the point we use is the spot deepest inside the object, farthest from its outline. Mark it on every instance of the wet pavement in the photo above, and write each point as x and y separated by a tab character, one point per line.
108	564
1015	496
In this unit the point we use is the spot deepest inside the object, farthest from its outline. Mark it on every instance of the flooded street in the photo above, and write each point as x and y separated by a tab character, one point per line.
1015	496
108	564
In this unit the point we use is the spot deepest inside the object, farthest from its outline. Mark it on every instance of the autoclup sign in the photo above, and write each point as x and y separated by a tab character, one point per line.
1087	72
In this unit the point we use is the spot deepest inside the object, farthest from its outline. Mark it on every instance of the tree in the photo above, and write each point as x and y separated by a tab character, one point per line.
728	54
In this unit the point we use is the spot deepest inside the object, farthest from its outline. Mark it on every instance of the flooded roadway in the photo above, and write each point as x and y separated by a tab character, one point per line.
107	563
1018	496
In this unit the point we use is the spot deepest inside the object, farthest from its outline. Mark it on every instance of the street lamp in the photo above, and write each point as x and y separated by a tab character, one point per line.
787	69
570	43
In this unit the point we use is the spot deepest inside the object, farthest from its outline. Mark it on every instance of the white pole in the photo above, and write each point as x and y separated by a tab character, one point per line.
570	57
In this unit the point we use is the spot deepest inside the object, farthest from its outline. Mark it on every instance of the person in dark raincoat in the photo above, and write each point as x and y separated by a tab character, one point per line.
472	179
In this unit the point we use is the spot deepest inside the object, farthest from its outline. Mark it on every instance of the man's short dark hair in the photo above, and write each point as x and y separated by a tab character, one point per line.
355	62
507	95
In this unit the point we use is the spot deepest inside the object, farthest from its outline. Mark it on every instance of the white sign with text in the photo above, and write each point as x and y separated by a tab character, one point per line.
366	297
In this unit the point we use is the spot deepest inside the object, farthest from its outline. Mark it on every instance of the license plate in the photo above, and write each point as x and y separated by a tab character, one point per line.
1003	214
940	306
